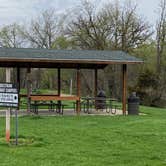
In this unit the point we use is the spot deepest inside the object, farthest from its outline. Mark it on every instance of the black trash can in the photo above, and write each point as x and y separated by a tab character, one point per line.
133	104
100	102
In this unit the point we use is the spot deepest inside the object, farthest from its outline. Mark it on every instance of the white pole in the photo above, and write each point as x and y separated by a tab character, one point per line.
8	73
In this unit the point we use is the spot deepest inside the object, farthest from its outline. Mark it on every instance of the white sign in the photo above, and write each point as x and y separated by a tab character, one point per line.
6	85
8	105
8	90
8	95
8	98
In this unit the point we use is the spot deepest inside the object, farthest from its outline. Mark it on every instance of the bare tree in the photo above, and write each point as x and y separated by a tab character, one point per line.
113	27
129	29
89	29
152	81
10	36
43	30
161	33
160	52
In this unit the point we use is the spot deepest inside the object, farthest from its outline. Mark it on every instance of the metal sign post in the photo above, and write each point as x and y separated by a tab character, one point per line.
16	126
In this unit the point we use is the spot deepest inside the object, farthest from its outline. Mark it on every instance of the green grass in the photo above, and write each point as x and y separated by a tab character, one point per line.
89	140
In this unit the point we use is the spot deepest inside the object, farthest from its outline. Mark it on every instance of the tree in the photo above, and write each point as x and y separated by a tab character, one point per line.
42	33
43	30
161	34
63	42
129	30
160	50
112	27
10	36
151	83
88	29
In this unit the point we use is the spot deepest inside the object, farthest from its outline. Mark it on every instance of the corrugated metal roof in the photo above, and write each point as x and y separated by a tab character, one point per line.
67	55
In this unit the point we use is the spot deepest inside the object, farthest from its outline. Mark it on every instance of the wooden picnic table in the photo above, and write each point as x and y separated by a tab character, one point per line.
53	98
48	100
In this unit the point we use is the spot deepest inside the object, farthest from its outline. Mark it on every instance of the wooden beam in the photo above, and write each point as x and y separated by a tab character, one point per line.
8	75
96	83
59	88
28	89
53	97
52	65
18	78
124	93
78	92
66	61
59	81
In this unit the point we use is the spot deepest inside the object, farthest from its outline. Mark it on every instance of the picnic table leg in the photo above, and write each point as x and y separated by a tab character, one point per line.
87	106
78	91
51	106
62	108
59	106
36	108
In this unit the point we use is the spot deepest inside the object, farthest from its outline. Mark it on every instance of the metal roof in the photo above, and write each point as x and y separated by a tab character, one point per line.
11	56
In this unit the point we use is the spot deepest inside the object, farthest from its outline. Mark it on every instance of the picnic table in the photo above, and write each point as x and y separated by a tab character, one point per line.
98	103
52	102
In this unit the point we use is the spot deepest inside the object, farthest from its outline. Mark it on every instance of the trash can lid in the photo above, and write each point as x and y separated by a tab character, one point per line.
133	98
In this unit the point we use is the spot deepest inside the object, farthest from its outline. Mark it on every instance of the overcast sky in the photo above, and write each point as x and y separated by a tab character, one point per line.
23	10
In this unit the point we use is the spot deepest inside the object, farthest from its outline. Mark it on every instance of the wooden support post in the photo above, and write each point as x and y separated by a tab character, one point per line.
59	81
18	78
96	83
71	86
124	94
28	89
78	91
18	85
59	88
8	76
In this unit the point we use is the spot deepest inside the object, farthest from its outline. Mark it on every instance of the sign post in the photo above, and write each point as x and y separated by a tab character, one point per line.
16	115
9	99
8	76
8	125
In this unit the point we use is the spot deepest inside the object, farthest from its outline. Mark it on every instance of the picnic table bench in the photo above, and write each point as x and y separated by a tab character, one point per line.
52	102
52	106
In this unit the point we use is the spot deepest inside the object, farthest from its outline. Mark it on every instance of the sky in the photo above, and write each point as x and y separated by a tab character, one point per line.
21	11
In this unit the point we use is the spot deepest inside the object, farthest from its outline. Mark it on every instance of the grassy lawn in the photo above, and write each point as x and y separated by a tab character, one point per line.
89	140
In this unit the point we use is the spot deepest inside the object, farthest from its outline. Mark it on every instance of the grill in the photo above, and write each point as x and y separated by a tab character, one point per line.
100	102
